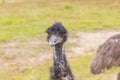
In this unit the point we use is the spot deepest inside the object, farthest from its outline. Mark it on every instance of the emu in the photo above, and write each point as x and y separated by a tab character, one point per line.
57	36
107	55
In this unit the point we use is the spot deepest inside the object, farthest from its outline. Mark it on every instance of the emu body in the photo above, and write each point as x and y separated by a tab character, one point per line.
107	55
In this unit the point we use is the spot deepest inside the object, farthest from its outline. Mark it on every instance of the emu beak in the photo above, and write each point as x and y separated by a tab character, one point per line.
52	44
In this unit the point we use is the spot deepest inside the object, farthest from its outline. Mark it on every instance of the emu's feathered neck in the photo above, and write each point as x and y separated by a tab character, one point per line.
59	54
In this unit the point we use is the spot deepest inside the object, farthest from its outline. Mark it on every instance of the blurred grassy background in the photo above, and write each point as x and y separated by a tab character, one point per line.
21	19
32	17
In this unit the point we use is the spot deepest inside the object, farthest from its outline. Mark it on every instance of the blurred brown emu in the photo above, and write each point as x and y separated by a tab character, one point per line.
57	36
107	55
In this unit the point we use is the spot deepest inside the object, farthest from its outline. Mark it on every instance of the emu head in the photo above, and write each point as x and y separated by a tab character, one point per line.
57	34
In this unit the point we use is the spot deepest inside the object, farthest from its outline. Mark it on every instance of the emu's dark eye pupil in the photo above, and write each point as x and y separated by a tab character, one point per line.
49	34
62	35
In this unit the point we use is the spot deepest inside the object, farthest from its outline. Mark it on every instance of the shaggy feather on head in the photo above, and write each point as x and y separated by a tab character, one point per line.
56	28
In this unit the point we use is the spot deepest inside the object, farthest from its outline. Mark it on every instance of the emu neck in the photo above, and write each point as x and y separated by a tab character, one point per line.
59	54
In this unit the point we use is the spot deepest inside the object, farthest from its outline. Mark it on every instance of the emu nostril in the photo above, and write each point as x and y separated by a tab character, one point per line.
54	41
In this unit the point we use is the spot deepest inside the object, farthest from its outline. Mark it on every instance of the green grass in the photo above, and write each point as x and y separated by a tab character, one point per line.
80	67
31	18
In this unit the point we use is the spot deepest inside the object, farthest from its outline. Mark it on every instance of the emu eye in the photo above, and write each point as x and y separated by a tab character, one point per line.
49	34
62	35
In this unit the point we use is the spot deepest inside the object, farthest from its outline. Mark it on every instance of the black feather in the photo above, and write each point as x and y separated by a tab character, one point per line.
56	28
